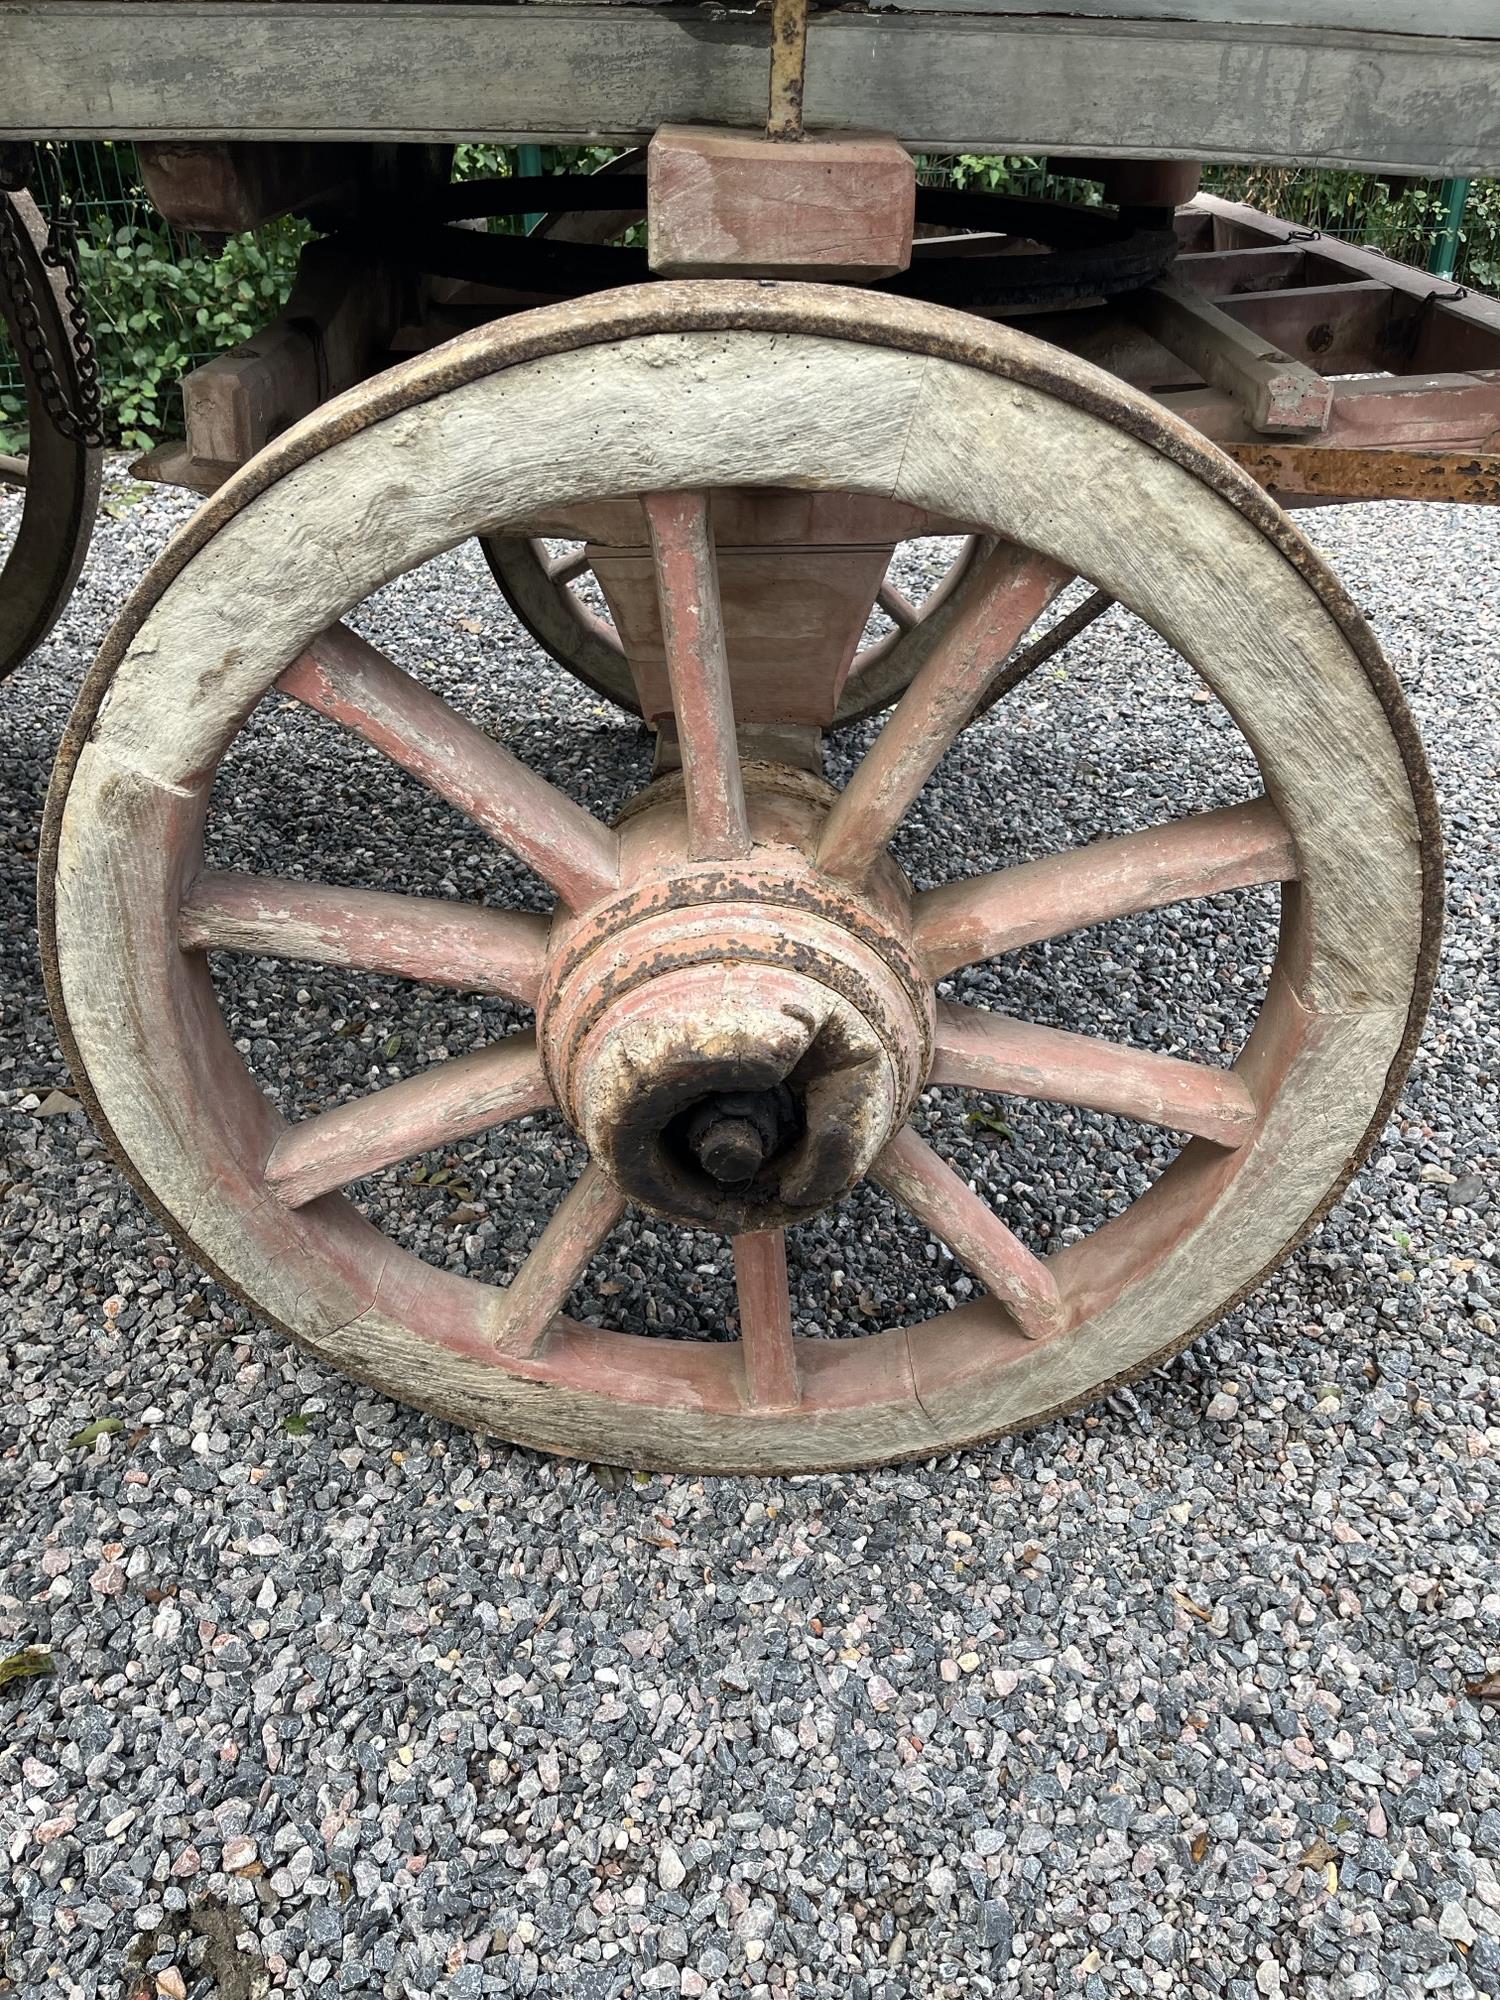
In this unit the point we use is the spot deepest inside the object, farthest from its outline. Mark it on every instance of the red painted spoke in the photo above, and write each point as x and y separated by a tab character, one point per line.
766	1320
1012	587
579	1225
343	677
687	589
1234	848
911	1171
897	606
568	568
436	1107
1019	1059
415	937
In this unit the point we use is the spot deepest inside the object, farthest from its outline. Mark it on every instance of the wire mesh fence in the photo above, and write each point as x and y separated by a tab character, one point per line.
161	301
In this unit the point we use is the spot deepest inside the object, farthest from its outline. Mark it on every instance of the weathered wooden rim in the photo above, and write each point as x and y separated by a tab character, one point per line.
39	571
814	310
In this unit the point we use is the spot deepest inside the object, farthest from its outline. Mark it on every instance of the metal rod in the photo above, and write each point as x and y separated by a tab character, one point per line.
788	68
1453	198
529	166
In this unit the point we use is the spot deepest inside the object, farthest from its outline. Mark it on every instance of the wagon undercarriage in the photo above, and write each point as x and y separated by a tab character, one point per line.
691	473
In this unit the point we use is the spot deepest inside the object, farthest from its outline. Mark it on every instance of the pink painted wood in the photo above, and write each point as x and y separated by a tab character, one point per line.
437	1107
687	589
441	943
911	1172
766	1320
1013	587
350	681
984	1051
578	1226
1233	848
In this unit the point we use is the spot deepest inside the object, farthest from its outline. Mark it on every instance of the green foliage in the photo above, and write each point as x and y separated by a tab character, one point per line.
158	307
1403	217
1007	173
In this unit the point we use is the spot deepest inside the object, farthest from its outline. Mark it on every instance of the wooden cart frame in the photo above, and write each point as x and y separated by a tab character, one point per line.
739	997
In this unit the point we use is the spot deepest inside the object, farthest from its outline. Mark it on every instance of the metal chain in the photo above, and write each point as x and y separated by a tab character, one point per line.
77	416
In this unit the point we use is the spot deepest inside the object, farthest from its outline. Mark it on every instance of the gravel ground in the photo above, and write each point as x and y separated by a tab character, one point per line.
1166	1698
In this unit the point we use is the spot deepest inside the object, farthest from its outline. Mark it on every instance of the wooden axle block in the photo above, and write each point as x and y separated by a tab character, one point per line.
835	205
793	619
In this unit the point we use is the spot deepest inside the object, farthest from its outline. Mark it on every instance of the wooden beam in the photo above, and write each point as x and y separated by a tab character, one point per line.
1342	329
1216	273
212	186
945	81
1452	413
1275	392
1460	17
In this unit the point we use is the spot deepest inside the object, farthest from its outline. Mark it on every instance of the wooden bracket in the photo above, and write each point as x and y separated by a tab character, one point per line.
835	205
341	313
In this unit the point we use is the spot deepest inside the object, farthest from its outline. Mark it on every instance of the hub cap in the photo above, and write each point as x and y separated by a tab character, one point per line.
736	1047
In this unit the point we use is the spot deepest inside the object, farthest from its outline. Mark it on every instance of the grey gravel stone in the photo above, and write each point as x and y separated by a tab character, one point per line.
370	1706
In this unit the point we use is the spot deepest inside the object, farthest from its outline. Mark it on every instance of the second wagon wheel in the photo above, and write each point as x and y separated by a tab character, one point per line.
735	1001
59	476
553	593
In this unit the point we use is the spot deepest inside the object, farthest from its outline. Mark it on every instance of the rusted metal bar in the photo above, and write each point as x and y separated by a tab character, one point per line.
788	68
1330	472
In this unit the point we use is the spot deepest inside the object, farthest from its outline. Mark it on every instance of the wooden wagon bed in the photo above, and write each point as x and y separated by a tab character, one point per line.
1355	83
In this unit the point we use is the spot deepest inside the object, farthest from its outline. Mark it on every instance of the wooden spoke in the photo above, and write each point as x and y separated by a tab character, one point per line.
436	1107
579	1225
1233	848
568	568
12	470
897	606
1025	660
911	1171
415	937
1019	1059
350	681
687	589
766	1320
1012	588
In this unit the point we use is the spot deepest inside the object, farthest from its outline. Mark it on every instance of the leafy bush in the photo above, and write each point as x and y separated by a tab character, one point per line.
158	308
1402	217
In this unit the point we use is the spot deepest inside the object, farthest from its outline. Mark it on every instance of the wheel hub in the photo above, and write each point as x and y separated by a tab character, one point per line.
735	1046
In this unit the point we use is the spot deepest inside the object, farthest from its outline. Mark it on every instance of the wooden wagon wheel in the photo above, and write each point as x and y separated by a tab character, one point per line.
60	478
549	591
735	1002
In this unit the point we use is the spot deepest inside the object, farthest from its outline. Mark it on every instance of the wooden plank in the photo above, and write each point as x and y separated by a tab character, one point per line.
1422	412
1217	273
1336	329
1275	392
208	186
1459	17
1167	89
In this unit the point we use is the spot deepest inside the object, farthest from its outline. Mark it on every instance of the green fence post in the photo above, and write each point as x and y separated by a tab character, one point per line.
1453	197
529	164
